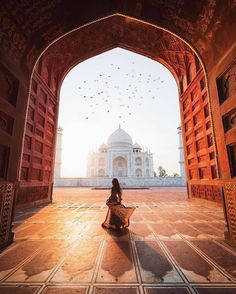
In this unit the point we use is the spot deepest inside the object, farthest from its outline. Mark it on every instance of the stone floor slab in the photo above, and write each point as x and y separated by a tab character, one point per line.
64	290
167	290
154	264
120	290
79	264
141	231
40	266
18	289
164	231
215	290
14	256
219	254
117	264
194	266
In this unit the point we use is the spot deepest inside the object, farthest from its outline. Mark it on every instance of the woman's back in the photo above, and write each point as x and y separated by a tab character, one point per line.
114	193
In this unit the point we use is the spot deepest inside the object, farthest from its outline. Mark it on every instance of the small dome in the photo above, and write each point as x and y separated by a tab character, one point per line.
103	146
119	138
136	146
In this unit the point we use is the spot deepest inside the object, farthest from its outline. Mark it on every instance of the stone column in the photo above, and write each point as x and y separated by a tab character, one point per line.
181	153
58	158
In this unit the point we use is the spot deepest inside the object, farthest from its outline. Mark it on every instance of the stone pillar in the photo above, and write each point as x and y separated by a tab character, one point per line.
230	211
181	153
6	213
151	165
58	158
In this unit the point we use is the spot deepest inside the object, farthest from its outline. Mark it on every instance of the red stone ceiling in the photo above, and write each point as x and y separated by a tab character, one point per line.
29	26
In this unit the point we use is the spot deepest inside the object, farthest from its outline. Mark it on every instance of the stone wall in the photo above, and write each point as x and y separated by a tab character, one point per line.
125	182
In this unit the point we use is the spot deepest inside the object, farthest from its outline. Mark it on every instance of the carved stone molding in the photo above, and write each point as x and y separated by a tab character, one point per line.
226	83
6	207
229	120
230	200
207	192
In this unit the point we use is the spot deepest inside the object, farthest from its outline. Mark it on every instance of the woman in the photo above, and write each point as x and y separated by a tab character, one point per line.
118	215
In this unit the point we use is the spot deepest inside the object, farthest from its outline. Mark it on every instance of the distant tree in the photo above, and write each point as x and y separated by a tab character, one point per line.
161	171
175	175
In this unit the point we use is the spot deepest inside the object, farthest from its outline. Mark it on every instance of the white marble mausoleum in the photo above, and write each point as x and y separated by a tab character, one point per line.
120	158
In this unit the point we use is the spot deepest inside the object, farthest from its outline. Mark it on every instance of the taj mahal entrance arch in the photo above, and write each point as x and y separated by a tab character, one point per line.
27	168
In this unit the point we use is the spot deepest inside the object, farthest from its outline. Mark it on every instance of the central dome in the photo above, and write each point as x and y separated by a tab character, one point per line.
119	138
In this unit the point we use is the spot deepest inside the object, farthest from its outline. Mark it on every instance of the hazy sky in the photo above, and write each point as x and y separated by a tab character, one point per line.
119	87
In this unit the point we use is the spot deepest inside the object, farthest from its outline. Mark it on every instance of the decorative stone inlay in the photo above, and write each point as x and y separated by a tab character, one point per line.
230	199
6	204
207	192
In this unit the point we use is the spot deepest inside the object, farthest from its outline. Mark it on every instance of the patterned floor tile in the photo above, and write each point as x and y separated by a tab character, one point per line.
117	264
64	290
194	266
167	290
154	264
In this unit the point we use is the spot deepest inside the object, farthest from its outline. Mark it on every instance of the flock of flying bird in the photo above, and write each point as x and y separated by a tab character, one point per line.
117	92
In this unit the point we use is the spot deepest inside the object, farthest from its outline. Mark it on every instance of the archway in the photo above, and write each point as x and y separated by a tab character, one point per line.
101	172
138	161
119	167
168	49
138	172
129	33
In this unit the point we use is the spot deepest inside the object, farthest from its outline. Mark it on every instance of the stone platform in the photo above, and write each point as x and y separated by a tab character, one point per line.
173	245
125	182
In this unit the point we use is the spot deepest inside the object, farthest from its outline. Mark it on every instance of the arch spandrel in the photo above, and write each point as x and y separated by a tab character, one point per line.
35	25
117	31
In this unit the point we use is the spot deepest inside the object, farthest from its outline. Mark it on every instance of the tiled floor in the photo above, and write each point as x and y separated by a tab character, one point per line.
172	246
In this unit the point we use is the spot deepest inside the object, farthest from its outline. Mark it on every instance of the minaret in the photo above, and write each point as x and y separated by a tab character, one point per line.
58	157
181	153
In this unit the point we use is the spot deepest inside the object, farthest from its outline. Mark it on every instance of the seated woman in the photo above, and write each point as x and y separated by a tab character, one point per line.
118	215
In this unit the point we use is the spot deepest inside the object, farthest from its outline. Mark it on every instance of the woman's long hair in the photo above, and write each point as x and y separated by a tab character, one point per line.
116	186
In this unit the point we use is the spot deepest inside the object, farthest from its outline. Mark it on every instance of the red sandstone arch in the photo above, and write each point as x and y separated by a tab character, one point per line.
90	40
102	35
25	37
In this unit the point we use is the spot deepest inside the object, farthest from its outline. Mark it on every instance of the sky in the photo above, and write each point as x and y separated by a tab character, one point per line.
119	87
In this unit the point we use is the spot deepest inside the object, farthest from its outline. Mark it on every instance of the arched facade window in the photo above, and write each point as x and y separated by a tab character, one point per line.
147	172
138	161
120	167
147	161
138	172
101	173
